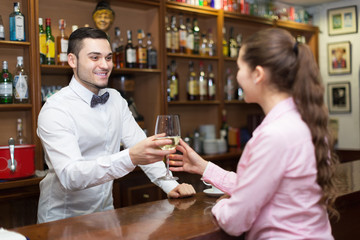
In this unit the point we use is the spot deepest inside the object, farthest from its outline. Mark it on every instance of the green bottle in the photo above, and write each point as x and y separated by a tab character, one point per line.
50	44
42	42
6	85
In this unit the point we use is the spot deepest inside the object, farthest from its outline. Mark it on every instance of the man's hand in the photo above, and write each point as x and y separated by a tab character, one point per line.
182	190
148	150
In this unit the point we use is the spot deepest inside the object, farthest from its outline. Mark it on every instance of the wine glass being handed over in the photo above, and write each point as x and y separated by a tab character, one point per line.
170	125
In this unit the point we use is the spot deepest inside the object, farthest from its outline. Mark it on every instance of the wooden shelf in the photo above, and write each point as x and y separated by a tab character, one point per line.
13	44
20	182
207	102
248	18
15	106
191	9
192	56
235	102
230	59
59	69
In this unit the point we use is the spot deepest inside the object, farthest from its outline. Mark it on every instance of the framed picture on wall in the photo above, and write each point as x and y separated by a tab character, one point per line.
339	58
339	97
342	20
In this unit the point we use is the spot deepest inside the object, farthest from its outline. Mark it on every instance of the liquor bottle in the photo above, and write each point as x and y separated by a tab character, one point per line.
224	129
50	44
130	52
20	138
192	84
204	48
233	47
203	85
141	51
173	83
167	34
196	31
42	42
174	36
239	42
225	46
182	34
17	24
229	85
21	86
189	37
2	29
211	83
118	49
6	85
62	43
151	53
211	44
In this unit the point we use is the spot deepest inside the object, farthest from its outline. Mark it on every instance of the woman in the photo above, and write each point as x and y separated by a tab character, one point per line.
284	182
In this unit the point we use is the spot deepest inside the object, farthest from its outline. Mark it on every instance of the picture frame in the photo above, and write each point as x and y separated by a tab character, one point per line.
342	20
339	58
339	97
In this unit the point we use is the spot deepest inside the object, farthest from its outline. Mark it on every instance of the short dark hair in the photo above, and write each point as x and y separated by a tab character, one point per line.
76	37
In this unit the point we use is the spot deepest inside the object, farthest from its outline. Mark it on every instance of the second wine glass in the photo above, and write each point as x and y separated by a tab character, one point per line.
170	125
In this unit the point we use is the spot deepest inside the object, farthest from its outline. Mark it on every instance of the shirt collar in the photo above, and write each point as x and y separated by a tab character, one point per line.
84	93
282	107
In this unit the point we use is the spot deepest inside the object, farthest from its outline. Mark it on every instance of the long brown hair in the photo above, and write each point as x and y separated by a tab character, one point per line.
294	70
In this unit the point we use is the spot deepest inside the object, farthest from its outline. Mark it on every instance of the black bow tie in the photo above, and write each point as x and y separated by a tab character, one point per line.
99	99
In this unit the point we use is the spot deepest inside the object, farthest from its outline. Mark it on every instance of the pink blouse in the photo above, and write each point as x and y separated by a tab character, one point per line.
274	194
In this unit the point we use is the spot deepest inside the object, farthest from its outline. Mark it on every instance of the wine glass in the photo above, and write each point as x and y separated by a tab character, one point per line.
170	125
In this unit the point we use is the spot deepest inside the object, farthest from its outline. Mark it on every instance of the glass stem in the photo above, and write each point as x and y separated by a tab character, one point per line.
167	166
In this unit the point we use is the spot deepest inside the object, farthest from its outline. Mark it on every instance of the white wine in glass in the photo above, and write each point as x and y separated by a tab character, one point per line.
170	125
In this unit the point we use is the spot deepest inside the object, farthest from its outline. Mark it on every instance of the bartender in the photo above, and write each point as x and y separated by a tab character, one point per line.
81	128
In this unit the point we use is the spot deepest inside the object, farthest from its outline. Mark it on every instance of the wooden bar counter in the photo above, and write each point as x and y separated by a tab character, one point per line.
188	218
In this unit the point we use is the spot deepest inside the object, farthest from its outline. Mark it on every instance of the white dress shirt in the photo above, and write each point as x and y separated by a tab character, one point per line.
82	151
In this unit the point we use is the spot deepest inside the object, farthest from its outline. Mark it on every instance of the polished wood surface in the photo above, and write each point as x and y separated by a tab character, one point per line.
188	218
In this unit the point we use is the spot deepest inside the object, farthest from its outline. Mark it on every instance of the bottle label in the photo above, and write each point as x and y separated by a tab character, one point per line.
142	55
190	41
183	40
6	89
152	58
175	41
212	91
193	88
131	55
50	47
42	43
168	40
21	87
173	89
233	52
63	57
64	45
19	28
203	88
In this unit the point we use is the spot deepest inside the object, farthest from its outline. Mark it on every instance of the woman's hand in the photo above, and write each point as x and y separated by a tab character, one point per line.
189	161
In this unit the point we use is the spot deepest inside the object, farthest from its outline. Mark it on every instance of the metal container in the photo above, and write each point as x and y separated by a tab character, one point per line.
17	161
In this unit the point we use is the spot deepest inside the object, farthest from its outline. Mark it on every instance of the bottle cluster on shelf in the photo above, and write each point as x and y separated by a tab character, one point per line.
48	91
53	50
16	25
14	88
187	37
231	44
232	90
200	86
263	8
143	55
